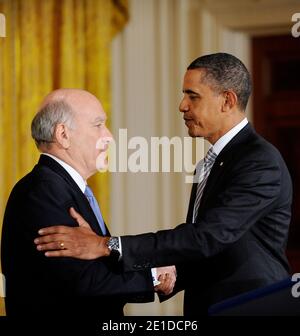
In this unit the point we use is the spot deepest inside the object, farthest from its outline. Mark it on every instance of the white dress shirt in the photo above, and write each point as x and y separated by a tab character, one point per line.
223	141
78	179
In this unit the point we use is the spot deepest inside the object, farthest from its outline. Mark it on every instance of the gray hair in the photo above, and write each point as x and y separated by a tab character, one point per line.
44	123
225	72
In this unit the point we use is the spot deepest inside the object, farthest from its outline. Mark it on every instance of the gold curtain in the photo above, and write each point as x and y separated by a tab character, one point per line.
50	44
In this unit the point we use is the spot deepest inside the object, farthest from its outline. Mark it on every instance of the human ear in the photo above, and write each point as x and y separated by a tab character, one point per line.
229	100
62	136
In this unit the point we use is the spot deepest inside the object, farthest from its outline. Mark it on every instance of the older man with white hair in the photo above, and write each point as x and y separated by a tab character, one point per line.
70	131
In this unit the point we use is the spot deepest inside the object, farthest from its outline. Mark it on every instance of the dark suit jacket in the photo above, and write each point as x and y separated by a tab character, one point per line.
59	286
239	238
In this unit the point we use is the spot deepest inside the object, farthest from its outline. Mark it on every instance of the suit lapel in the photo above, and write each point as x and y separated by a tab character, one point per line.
81	199
221	163
189	217
216	172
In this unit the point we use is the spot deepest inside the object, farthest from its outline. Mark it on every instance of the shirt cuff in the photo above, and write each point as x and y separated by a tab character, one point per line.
120	249
154	277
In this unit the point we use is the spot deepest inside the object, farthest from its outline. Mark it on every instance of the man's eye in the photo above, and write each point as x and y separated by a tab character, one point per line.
193	97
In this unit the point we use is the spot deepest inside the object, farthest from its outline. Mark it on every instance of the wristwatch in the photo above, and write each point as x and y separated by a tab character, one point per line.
113	245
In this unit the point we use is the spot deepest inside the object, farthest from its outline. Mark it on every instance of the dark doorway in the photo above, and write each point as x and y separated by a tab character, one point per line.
276	113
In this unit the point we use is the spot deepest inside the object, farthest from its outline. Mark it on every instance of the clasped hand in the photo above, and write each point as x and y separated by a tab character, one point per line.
167	277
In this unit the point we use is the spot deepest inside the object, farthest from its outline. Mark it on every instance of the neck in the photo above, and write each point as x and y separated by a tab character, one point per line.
227	126
63	155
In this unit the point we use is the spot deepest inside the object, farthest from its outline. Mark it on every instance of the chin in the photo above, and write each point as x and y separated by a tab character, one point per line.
192	133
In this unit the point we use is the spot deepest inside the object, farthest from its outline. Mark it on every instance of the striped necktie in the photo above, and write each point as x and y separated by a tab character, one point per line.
203	171
94	205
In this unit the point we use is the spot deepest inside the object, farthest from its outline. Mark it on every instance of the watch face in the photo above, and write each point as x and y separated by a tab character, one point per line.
113	243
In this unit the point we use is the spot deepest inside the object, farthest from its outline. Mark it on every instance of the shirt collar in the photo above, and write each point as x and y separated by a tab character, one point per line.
78	179
223	141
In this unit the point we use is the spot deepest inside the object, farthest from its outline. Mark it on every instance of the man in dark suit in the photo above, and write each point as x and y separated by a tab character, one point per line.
237	225
70	132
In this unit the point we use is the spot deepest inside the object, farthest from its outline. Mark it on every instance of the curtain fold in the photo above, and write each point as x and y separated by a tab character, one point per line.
51	44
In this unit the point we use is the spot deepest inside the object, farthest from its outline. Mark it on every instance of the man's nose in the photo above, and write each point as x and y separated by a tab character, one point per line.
109	135
183	106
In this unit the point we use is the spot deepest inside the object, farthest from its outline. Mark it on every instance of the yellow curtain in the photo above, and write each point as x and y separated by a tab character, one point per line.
50	44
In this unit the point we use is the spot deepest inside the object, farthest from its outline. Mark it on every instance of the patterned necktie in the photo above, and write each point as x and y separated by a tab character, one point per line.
203	171
94	205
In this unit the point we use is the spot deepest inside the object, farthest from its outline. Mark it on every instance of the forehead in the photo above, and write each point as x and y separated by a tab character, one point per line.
89	108
193	81
193	77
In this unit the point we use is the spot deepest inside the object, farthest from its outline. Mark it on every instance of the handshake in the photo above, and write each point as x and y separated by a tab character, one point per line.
166	280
